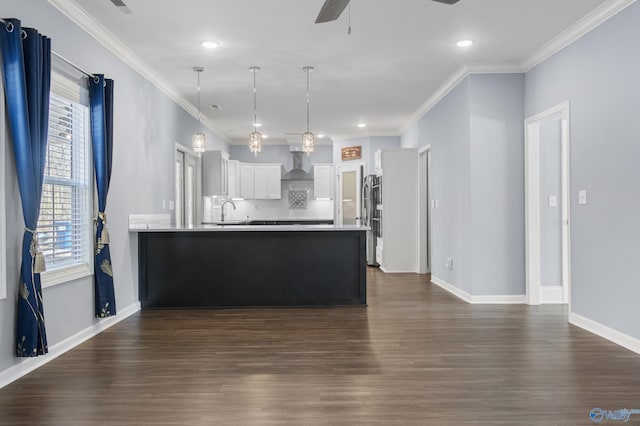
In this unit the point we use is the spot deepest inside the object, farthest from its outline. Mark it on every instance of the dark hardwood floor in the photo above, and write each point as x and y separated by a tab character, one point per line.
415	356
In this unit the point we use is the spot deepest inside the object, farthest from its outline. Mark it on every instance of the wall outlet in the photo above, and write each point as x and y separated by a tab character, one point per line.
448	263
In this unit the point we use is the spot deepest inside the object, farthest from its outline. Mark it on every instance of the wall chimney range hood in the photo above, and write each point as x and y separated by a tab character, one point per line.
297	173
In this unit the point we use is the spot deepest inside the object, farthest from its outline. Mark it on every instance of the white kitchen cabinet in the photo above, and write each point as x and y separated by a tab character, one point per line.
216	173
234	179
261	181
267	178
274	182
247	189
323	181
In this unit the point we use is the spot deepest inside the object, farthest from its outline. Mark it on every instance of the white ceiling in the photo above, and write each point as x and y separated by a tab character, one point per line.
398	54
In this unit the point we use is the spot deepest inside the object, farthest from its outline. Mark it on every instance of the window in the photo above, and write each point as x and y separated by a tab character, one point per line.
65	226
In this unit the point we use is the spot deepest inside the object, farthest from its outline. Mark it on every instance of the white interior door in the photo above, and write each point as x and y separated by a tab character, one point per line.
349	181
424	212
547	207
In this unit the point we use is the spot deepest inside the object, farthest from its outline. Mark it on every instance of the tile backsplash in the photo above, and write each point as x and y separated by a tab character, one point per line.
273	209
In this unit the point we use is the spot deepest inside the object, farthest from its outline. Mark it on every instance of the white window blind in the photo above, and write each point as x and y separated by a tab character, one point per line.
65	226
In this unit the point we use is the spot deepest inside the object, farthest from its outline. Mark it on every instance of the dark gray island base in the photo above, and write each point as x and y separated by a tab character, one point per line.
270	266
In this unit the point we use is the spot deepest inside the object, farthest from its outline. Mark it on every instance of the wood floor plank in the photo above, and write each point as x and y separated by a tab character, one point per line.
415	356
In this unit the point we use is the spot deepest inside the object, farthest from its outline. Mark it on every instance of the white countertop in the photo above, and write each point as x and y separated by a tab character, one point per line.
248	228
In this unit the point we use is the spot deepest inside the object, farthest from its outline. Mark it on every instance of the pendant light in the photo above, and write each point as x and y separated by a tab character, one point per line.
255	138
308	140
198	140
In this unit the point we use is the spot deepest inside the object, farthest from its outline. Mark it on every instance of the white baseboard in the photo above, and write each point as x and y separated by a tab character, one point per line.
461	294
497	299
391	271
608	333
552	294
27	365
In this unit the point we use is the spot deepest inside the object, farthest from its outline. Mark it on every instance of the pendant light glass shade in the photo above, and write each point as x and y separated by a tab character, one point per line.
255	138
255	142
198	141
308	139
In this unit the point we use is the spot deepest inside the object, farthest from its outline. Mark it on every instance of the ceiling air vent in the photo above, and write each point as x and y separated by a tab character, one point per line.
122	7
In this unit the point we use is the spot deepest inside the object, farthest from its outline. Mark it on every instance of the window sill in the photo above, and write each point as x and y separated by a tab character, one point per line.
64	275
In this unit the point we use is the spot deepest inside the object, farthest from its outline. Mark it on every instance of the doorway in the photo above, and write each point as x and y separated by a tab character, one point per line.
349	181
424	212
547	191
187	171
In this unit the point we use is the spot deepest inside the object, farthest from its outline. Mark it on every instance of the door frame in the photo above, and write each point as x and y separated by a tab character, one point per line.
532	202
425	150
359	168
188	152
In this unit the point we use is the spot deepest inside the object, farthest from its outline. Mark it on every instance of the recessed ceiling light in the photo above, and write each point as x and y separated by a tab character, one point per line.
321	136
464	43
216	106
211	44
265	136
257	124
362	125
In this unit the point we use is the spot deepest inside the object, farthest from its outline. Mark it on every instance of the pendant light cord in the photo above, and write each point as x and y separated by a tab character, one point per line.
255	102
307	71
199	123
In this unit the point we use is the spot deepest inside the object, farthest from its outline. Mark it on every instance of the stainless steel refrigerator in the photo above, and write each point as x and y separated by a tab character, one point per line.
371	186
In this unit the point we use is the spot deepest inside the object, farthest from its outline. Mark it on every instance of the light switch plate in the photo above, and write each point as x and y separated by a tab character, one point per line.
172	205
582	196
553	201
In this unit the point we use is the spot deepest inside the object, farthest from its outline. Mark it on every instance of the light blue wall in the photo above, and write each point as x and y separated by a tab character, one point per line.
476	140
600	75
497	183
281	154
369	144
147	126
447	128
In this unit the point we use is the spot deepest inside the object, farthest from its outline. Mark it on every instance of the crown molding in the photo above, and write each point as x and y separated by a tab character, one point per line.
454	79
95	29
588	23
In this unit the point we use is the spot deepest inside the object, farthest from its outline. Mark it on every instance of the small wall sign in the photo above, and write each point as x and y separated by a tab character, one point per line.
352	153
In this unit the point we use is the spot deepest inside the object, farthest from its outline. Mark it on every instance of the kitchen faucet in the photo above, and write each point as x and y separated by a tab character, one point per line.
222	208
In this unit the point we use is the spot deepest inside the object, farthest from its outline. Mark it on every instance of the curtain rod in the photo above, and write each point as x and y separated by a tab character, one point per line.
74	66
61	57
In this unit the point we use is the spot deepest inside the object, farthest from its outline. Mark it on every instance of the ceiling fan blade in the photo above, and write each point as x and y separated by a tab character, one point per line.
331	10
447	1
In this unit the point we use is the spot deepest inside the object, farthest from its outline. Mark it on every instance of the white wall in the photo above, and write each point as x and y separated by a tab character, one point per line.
147	124
600	76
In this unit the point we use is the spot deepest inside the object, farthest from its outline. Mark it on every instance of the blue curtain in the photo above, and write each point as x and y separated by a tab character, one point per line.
101	96
26	62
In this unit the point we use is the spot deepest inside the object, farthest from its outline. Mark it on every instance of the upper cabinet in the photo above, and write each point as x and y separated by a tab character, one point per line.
261	181
216	173
323	181
247	187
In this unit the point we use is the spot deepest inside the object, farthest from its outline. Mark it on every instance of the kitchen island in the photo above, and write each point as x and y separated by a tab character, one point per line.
213	266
